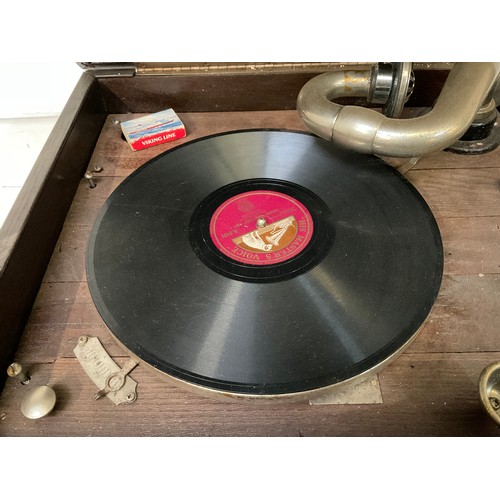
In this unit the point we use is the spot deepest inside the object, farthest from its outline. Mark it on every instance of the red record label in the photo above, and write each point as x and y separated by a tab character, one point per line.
261	227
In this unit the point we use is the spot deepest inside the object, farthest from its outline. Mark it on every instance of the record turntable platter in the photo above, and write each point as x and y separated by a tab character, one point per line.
264	263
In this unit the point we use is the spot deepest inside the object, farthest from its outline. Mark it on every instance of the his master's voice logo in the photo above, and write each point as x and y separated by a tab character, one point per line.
271	238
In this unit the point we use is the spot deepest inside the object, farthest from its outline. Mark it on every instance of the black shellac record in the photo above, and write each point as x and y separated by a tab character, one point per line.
264	262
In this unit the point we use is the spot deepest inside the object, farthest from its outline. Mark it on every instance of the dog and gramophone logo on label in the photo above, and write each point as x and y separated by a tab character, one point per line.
261	227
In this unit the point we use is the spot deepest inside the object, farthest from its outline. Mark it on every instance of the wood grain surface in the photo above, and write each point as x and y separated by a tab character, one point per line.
429	390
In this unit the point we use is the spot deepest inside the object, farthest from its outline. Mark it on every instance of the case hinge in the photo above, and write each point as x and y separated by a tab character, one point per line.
109	70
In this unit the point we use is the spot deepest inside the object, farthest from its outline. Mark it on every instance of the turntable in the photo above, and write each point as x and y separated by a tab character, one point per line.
345	255
264	263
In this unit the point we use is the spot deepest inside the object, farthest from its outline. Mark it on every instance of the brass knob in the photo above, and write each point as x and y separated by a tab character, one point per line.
489	390
39	402
16	370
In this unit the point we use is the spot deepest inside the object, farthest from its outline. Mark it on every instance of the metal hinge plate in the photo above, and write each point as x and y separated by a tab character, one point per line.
111	381
109	70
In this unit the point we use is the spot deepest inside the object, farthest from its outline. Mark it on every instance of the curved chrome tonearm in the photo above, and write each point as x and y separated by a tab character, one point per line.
368	131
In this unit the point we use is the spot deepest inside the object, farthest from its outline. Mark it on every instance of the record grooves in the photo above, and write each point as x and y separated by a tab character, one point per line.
264	262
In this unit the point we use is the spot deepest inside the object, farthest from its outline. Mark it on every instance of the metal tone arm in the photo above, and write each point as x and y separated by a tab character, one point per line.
367	131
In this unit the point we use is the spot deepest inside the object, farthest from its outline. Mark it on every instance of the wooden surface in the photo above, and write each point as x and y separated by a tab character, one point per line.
429	390
31	229
216	91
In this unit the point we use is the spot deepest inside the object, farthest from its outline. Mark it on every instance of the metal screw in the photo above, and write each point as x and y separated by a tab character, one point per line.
15	370
90	178
131	397
97	168
495	403
83	339
116	121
